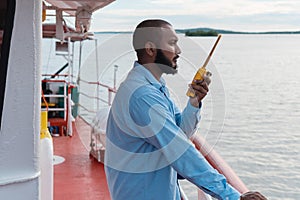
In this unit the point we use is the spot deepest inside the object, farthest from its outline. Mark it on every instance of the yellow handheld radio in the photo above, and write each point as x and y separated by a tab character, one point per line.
201	73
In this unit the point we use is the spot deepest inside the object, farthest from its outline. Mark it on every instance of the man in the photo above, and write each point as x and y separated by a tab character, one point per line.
147	141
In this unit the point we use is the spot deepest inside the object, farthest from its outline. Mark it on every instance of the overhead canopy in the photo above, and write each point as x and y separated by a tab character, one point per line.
70	6
80	9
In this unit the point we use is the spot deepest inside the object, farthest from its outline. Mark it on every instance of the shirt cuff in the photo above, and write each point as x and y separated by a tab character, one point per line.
192	108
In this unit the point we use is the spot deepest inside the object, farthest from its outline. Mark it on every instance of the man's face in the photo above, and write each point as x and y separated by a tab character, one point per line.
168	51
164	63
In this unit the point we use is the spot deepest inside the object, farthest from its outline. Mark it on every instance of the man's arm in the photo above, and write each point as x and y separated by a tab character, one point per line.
191	114
189	119
150	111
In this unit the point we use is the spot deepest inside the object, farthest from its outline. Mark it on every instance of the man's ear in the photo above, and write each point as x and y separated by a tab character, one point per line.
150	49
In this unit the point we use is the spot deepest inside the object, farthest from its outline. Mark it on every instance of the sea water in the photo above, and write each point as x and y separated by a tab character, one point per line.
251	114
261	133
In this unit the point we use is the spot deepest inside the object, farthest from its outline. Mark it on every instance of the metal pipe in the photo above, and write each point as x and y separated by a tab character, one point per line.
79	62
72	64
69	59
79	69
97	70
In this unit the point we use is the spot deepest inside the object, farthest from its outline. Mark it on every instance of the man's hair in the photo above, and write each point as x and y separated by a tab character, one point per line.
147	30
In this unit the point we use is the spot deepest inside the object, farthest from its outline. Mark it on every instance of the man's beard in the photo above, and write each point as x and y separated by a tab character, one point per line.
164	63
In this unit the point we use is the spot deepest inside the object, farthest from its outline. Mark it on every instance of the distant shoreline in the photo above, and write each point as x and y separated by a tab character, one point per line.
220	31
202	32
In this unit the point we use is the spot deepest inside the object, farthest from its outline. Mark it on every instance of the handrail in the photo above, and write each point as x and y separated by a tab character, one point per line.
44	100
112	89
54	95
88	110
108	102
51	76
57	75
55	81
219	163
93	97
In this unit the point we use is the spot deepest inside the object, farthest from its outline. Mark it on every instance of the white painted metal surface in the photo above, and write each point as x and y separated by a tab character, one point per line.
20	131
46	163
70	6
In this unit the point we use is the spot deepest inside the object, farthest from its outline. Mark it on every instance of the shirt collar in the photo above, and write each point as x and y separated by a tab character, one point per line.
149	76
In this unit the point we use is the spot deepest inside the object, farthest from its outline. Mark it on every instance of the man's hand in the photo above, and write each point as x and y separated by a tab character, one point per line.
252	196
201	90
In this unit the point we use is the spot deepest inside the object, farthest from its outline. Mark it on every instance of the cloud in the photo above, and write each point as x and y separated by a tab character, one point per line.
211	8
210	11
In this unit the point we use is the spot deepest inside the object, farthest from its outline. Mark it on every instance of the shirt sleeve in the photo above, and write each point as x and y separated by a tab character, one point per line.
152	111
188	120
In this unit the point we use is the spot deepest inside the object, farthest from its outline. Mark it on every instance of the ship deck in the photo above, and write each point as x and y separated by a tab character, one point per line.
80	176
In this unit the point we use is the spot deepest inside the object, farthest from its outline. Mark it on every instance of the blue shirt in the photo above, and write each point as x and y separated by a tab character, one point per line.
147	144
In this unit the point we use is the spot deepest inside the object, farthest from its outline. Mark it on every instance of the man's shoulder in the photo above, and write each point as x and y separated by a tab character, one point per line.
133	90
146	91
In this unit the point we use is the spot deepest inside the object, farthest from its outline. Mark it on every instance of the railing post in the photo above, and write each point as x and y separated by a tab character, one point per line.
69	106
78	78
72	63
69	129
65	101
97	72
115	76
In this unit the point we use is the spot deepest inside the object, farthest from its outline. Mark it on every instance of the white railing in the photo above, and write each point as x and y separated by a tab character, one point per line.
110	91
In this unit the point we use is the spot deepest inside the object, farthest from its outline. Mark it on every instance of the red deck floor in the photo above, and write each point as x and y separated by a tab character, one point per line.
79	177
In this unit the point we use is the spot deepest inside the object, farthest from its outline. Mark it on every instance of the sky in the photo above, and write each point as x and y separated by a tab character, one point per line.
236	15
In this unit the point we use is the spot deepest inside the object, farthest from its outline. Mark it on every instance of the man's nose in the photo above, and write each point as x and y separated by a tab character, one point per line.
178	50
